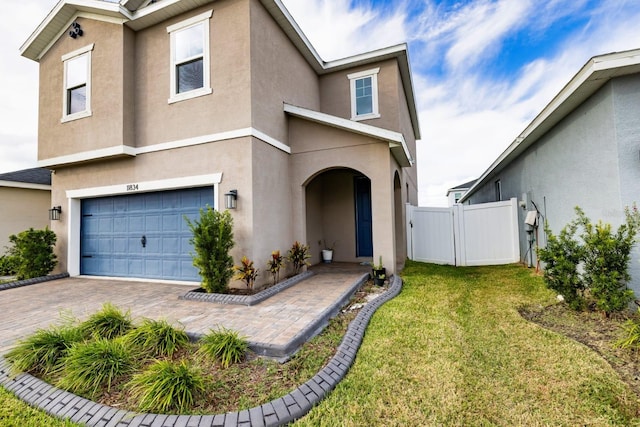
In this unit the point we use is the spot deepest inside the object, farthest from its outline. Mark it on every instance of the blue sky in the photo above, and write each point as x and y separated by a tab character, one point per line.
482	69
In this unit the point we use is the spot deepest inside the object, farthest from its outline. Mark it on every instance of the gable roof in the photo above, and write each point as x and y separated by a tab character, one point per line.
465	186
592	76
126	12
36	178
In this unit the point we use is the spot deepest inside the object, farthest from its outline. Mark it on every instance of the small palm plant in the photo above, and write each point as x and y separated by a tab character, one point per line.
274	264
225	345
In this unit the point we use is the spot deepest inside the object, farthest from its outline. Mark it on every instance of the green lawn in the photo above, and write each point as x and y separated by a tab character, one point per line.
452	349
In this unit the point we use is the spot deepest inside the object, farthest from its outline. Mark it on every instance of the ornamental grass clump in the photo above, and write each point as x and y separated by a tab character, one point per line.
43	351
110	322
157	338
167	386
224	345
93	365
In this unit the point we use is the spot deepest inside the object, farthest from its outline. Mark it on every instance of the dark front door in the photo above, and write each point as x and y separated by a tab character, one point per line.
364	228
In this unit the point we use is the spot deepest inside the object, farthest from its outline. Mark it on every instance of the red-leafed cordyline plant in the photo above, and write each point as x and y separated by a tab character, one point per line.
246	272
274	264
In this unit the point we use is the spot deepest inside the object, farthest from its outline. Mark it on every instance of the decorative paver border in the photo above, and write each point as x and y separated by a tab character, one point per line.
247	299
278	412
27	282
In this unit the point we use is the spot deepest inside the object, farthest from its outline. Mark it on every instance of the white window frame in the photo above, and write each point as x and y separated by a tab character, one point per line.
201	19
353	78
65	100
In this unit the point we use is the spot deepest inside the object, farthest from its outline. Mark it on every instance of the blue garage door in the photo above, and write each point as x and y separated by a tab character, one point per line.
141	235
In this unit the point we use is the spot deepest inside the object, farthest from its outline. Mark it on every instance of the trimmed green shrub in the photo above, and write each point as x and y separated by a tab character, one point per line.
166	386
606	262
212	240
603	255
107	323
157	338
225	345
8	265
43	351
92	365
33	253
562	256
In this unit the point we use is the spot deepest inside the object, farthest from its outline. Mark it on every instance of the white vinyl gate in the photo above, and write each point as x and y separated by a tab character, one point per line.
483	234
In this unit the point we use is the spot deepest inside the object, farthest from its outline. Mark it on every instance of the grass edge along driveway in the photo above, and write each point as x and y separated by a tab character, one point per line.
452	349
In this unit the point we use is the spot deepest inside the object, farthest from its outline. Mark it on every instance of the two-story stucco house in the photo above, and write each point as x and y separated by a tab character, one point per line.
150	110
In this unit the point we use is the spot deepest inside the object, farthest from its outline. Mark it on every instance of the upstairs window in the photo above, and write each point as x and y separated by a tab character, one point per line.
498	190
364	94
76	98
189	72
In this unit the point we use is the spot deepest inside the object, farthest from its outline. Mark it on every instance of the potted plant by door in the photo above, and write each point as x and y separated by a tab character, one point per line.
379	273
327	253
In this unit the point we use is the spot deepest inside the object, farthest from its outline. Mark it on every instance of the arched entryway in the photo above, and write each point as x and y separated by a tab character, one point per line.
339	215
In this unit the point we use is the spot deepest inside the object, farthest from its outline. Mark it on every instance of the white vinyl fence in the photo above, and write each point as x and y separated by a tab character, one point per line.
484	234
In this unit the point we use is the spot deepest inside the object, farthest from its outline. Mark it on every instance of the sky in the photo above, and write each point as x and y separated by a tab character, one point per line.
482	69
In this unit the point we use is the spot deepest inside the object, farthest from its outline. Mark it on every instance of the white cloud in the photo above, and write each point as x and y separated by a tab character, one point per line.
19	109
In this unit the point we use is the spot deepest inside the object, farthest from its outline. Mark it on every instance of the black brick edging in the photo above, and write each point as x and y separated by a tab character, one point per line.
27	282
247	299
275	413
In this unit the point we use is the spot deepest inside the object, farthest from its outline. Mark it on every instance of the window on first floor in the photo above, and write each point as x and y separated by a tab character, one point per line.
76	97
364	94
190	64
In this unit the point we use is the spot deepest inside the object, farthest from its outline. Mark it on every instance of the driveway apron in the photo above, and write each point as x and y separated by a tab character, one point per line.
274	321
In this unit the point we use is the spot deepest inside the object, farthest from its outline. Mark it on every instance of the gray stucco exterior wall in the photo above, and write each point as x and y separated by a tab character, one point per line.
590	159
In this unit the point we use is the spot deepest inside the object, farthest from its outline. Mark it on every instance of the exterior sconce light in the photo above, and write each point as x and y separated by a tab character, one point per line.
231	199
75	30
54	213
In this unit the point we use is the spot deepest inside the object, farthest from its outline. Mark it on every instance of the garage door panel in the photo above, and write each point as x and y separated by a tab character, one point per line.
112	229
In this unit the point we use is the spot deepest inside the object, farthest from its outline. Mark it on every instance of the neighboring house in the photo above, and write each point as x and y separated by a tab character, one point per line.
583	150
25	200
151	110
455	194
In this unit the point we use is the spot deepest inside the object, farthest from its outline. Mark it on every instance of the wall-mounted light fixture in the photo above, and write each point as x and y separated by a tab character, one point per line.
231	199
75	30
54	213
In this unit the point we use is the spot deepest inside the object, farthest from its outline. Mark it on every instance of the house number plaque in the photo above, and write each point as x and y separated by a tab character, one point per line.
132	187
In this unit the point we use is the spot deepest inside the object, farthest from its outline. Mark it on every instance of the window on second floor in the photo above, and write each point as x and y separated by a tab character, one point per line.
76	97
498	190
456	197
189	74
364	94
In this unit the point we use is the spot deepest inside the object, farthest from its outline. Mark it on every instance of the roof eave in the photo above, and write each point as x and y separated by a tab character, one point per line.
395	140
592	76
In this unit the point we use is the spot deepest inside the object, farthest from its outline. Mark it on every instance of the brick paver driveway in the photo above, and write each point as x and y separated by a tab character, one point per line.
273	322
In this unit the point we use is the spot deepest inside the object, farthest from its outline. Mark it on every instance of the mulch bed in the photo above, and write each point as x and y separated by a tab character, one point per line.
596	332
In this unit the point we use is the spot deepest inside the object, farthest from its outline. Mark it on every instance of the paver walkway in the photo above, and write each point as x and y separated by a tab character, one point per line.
272	322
